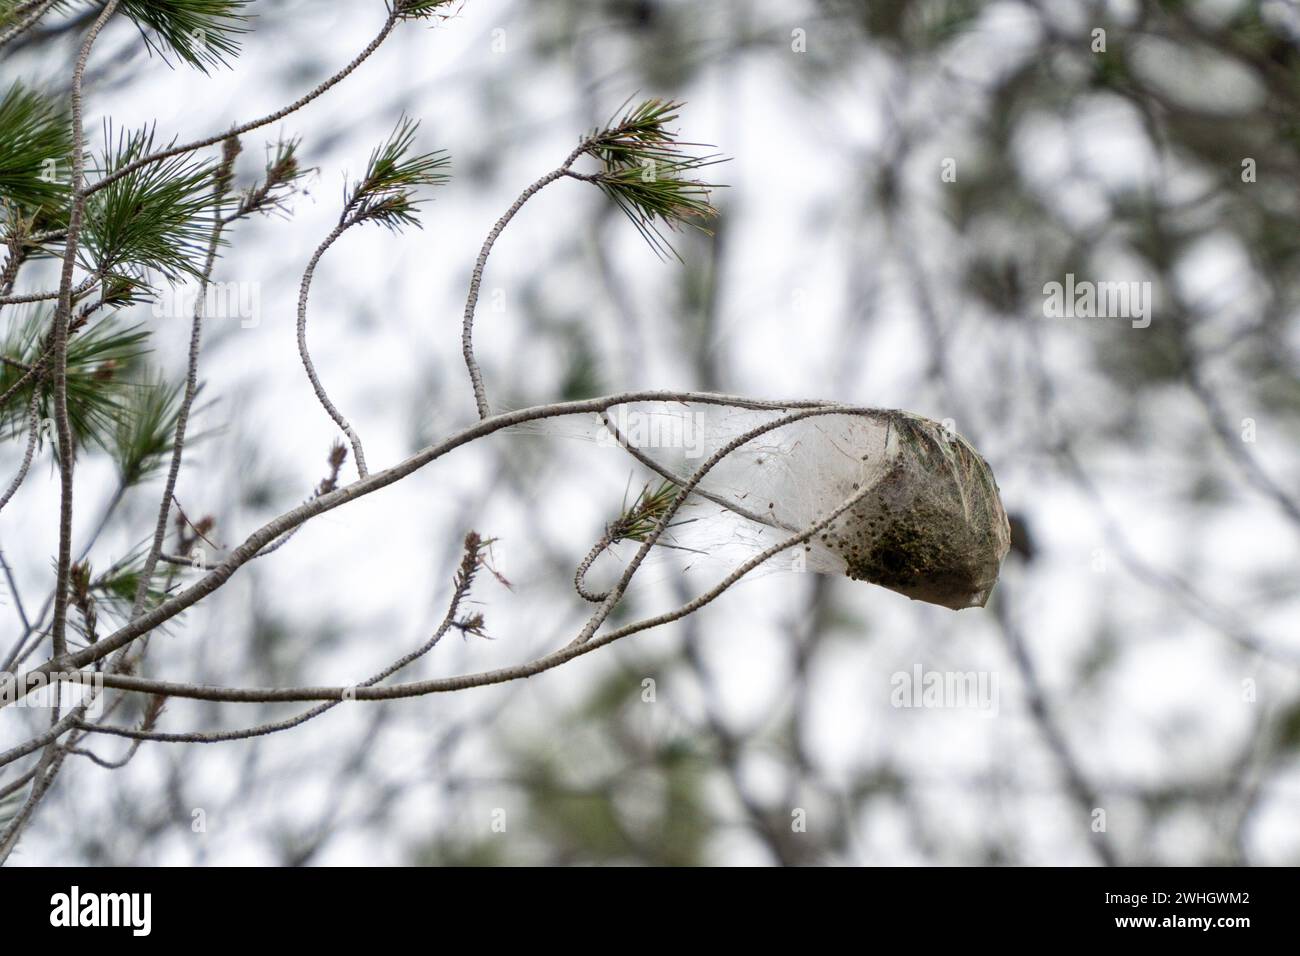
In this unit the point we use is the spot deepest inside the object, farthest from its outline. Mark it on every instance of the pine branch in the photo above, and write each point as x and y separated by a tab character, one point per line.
173	151
202	33
294	518
98	363
37	137
14	23
385	194
145	424
646	172
52	759
155	218
649	175
283	171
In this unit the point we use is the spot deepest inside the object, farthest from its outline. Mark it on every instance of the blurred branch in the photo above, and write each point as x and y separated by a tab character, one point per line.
34	13
1085	797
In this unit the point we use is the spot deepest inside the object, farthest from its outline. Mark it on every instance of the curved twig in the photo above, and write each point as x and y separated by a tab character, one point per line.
580	575
33	429
476	277
60	337
221	184
304	290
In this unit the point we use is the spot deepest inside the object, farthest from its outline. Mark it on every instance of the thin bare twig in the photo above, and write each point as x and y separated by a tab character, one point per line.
461	586
81	288
220	185
13	589
304	290
33	431
60	337
476	277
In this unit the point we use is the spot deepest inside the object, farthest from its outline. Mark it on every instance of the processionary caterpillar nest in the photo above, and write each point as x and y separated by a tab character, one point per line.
930	524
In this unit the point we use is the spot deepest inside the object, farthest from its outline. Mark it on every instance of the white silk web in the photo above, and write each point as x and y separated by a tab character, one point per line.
929	523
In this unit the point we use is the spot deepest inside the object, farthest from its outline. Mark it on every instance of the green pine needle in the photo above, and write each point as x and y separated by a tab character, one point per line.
420	9
649	175
145	427
386	193
100	362
13	11
203	33
636	522
37	137
115	587
158	217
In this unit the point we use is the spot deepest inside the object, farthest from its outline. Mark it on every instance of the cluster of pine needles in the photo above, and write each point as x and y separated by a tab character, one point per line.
649	175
